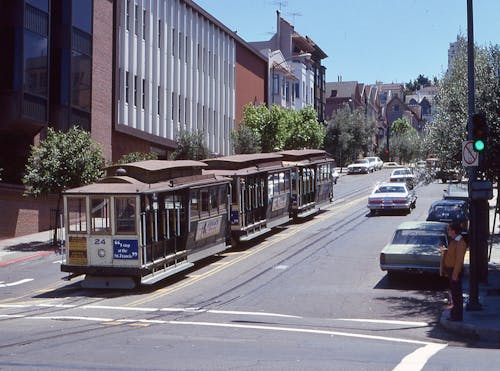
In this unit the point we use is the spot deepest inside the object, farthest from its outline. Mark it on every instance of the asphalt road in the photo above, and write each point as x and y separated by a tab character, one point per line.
309	296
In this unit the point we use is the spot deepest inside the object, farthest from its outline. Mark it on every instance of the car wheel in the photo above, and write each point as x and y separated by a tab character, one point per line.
391	275
372	212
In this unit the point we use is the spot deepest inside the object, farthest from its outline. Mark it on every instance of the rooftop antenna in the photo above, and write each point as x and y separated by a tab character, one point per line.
295	14
281	4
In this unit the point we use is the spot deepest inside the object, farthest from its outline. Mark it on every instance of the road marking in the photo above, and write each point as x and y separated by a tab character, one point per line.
418	356
416	360
383	321
20	282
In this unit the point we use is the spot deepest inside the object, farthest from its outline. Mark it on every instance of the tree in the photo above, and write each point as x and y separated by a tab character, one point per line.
404	141
63	160
444	137
137	156
420	82
190	146
348	135
304	130
245	140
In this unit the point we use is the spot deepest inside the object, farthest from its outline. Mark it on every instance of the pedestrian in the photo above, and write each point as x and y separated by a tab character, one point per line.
453	268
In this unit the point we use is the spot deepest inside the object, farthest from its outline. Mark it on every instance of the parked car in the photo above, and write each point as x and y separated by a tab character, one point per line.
392	196
448	175
377	162
448	211
415	247
403	175
391	164
361	166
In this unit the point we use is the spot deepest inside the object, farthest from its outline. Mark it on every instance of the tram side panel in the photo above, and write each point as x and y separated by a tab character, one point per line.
279	197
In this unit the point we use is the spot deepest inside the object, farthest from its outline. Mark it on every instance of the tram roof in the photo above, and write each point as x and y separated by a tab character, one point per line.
127	185
302	153
242	161
154	171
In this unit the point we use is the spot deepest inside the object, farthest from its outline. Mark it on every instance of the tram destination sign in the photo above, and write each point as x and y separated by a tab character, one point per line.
125	249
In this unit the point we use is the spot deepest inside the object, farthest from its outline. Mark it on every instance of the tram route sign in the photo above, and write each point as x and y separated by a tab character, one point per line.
126	249
470	157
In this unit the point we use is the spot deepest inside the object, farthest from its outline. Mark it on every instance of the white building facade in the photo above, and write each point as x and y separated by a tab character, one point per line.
176	72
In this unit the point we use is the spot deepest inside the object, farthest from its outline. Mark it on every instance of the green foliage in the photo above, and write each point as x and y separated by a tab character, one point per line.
348	135
420	82
444	137
137	156
63	160
279	128
245	140
404	141
190	146
304	130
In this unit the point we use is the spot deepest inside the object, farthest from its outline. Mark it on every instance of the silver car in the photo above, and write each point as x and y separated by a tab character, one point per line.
390	197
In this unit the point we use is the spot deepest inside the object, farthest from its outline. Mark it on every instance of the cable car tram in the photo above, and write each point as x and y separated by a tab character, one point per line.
144	221
261	192
312	184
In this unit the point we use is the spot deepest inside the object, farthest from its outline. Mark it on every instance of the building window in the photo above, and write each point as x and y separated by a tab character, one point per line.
180	45
185	110
82	15
159	33
159	100
136	19
396	108
276	84
143	93
35	63
81	73
126	86
173	41
144	24
297	90
127	14
186	47
179	110
135	90
173	105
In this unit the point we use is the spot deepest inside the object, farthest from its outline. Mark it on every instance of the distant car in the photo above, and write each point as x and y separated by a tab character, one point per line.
390	197
448	211
377	162
403	175
361	166
335	176
415	248
391	164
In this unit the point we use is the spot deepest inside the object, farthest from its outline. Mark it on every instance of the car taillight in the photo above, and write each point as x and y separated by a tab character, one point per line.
399	201
375	201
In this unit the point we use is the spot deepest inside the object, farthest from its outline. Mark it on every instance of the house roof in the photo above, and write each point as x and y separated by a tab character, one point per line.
344	89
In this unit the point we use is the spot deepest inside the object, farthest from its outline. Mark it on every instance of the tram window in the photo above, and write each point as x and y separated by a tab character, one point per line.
204	201
195	204
125	215
287	181
214	201
223	198
100	215
270	187
276	184
77	214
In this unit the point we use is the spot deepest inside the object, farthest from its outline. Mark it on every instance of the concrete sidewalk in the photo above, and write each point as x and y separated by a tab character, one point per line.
14	250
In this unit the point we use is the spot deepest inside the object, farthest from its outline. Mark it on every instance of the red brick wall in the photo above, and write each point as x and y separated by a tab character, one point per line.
23	215
102	75
123	144
251	80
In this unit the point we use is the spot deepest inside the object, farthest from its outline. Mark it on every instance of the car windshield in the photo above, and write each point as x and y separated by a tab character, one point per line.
401	172
419	237
390	189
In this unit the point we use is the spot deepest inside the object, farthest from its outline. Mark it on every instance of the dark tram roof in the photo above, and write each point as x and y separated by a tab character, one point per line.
126	185
154	171
237	162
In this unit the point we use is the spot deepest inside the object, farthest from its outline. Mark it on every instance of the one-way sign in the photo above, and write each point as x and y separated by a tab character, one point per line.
469	156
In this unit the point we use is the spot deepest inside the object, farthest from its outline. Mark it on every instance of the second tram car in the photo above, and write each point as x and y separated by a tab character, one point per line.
150	220
261	192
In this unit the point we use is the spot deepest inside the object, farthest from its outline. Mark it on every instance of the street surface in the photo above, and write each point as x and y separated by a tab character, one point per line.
309	296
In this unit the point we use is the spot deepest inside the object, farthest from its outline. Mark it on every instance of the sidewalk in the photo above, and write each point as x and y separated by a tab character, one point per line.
14	250
482	324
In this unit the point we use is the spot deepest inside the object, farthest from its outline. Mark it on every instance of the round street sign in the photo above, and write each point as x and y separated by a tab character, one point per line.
469	156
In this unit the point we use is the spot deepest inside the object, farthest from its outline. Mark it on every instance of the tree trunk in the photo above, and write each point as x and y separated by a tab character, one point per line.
54	240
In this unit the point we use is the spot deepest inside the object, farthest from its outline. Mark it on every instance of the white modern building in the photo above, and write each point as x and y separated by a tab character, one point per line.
176	72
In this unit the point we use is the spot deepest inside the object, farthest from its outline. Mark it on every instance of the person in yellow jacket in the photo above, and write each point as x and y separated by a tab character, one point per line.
453	268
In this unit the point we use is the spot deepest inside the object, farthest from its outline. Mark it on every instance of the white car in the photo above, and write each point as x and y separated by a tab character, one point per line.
361	166
377	162
404	175
390	197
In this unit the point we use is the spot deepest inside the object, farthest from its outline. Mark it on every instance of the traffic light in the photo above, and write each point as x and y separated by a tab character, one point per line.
479	131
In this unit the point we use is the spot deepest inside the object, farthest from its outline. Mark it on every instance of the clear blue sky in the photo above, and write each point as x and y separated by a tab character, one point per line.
368	40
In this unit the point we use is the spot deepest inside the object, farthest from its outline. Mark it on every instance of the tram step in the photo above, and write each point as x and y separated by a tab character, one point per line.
159	275
254	234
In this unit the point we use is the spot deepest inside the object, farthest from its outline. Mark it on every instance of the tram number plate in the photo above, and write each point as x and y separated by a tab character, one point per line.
125	249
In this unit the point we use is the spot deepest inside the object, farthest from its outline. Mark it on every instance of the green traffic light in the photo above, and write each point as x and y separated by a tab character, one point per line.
479	145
